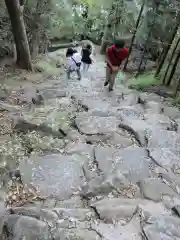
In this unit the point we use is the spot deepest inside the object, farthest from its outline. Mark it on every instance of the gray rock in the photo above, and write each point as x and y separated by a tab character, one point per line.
24	126
149	97
29	95
115	209
79	234
75	136
163	139
112	139
96	125
81	214
154	189
171	112
3	216
80	149
178	124
10	108
100	108
53	93
49	203
176	209
74	202
130	113
130	231
54	175
153	107
119	141
30	228
97	186
132	162
138	128
105	184
149	208
165	157
162	121
40	214
162	227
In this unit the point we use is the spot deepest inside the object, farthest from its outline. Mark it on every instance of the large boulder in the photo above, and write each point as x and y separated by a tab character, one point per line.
132	162
162	227
54	175
115	209
92	125
154	189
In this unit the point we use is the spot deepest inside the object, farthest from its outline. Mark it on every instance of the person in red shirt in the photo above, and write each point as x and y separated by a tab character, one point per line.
115	55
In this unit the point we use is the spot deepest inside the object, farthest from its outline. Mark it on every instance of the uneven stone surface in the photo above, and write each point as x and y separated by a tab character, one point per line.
132	162
80	163
154	189
114	209
54	175
165	157
96	125
162	226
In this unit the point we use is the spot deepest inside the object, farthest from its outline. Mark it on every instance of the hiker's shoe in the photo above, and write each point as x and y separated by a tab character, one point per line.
105	84
110	89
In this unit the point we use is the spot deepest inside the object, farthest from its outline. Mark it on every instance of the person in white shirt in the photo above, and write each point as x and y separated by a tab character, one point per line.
73	62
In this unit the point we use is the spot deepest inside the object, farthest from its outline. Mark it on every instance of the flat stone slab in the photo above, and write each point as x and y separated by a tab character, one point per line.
130	113
158	138
96	125
162	121
171	112
130	231
54	175
27	227
165	157
154	189
115	209
132	162
162	227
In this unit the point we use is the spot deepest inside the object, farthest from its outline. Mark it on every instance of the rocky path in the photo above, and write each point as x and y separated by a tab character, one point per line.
105	164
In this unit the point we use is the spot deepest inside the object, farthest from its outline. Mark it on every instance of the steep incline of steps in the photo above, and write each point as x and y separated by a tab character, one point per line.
113	173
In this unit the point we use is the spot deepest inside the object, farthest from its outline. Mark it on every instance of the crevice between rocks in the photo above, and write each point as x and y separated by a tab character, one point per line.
80	104
152	159
131	132
24	127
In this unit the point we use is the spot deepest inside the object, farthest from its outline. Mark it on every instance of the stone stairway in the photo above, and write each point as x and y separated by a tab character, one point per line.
113	171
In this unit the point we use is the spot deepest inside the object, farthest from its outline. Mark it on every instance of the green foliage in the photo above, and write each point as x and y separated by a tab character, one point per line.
143	80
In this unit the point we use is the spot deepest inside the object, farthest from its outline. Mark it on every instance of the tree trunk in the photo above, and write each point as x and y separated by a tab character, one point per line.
35	42
167	47
134	34
155	9
170	61
19	33
177	87
173	70
105	39
108	29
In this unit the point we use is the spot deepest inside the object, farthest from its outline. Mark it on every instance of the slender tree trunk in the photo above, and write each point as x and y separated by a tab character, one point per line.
134	34
170	60
155	9
167	47
177	87
35	42
108	29
19	33
173	70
